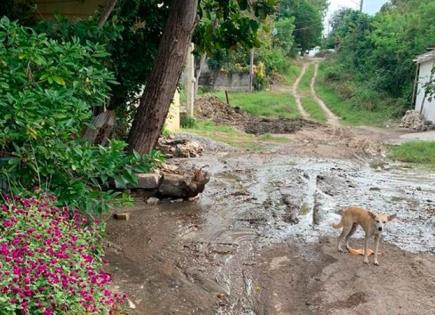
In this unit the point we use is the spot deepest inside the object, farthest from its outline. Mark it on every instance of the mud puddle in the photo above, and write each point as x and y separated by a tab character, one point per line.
259	241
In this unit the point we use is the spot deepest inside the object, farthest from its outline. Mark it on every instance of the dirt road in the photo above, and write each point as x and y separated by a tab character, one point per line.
258	241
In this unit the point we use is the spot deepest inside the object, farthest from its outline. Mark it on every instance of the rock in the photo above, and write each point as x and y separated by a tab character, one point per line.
153	200
131	304
102	126
125	216
184	148
148	180
183	186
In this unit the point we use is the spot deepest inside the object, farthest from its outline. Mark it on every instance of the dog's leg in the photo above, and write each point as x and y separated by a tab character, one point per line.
377	238
344	233
351	232
366	245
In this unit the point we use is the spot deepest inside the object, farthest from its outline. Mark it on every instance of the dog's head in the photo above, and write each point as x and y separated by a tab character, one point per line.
380	220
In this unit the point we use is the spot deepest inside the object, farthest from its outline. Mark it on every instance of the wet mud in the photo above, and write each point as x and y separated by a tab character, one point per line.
259	241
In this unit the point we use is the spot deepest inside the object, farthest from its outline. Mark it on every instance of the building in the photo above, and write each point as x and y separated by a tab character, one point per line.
424	74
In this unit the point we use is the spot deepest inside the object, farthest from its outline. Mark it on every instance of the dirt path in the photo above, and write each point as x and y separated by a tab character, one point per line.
296	94
259	241
332	119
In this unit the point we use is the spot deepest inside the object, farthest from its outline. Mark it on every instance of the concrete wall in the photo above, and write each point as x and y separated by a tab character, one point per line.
69	8
429	106
225	81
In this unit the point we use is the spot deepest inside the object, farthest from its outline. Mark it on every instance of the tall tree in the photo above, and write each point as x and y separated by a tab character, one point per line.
308	15
162	82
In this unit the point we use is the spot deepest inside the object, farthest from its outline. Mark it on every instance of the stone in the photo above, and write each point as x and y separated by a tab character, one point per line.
148	180
183	186
182	148
153	200
124	216
101	128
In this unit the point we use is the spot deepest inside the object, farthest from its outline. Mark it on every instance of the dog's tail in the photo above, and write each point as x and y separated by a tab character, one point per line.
340	224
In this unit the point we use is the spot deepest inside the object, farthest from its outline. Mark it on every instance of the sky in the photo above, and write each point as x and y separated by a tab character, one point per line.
369	6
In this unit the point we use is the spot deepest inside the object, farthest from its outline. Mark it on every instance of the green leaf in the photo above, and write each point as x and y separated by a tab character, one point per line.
58	80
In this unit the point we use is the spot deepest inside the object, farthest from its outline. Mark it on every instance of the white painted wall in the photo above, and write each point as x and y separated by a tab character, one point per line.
429	107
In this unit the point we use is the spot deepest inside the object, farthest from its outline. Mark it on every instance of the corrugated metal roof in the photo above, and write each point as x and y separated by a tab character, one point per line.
430	55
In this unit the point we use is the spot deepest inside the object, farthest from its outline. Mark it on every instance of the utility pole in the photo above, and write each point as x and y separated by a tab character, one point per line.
190	81
251	70
361	2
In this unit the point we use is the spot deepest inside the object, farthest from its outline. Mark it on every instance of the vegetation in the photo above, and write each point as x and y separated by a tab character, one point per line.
308	20
374	66
304	84
313	109
350	109
47	92
51	261
420	152
296	26
262	103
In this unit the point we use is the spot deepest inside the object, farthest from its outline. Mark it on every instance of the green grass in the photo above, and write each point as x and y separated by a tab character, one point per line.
417	152
233	136
262	103
304	84
292	73
350	113
313	108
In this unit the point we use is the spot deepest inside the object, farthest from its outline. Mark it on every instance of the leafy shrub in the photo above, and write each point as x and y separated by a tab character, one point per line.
47	91
51	261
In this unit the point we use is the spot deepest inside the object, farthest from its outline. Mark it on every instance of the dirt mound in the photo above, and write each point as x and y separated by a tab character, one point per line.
280	125
212	108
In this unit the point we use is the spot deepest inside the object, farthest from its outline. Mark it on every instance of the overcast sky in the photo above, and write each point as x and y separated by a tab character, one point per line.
369	6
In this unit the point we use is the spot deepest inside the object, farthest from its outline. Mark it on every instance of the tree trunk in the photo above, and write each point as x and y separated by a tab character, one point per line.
110	5
162	82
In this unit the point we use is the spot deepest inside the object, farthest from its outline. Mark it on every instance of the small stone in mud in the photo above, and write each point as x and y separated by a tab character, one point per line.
122	216
153	200
418	188
131	304
220	296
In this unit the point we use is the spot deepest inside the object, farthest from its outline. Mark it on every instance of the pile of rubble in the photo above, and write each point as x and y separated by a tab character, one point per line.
415	121
179	148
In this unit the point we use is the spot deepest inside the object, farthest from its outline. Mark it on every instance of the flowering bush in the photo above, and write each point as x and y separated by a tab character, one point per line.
51	261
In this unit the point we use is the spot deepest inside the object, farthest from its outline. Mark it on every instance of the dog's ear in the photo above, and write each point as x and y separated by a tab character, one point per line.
391	217
372	215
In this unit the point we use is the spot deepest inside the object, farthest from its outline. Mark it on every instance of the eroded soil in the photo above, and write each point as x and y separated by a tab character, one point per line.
259	241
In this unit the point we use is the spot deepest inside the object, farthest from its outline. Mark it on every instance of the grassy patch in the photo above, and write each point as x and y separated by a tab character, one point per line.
292	73
313	108
418	152
351	113
304	84
233	136
262	103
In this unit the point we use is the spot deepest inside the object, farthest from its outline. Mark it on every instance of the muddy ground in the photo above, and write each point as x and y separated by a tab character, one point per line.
259	241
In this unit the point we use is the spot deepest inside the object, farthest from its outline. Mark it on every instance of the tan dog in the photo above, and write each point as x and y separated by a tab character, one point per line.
372	224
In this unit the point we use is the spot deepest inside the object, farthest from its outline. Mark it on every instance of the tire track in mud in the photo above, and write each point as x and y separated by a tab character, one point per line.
332	119
296	94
